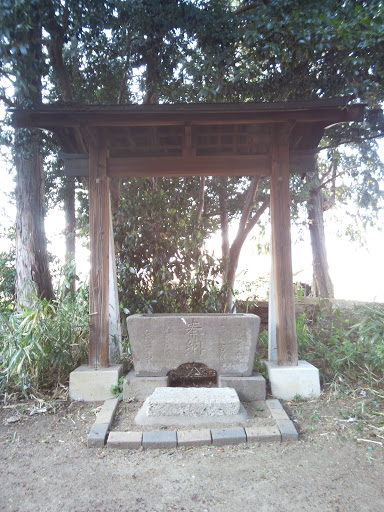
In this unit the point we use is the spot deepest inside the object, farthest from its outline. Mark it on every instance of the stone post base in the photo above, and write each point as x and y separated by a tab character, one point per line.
289	381
93	385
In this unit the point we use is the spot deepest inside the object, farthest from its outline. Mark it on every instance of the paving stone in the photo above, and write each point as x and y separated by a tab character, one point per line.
107	412
287	430
262	434
159	439
225	436
279	414
124	440
194	437
248	388
274	404
97	435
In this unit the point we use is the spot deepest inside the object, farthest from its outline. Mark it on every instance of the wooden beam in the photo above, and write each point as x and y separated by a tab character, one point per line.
215	165
99	213
281	247
301	162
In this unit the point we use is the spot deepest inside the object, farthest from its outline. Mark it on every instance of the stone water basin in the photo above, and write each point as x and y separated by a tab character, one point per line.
225	343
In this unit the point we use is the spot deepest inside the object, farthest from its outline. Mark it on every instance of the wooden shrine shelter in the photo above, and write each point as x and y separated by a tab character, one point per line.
266	139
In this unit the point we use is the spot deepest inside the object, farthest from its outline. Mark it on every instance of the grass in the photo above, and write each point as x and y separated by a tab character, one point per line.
347	346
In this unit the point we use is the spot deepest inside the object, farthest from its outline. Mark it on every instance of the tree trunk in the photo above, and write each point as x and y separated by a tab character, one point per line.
322	283
31	245
231	253
32	268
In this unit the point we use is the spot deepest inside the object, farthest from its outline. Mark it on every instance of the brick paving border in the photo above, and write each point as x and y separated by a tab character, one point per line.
283	431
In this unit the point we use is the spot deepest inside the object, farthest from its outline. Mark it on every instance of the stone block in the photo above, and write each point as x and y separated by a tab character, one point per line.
124	440
159	439
93	385
140	388
262	434
224	342
193	402
287	430
191	406
290	381
194	437
97	435
107	412
248	388
225	436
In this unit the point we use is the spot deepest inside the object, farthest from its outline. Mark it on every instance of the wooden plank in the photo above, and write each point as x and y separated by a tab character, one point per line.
99	253
281	248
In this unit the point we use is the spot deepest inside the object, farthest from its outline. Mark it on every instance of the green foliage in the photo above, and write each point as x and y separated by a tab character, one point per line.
7	280
347	345
118	390
161	264
42	342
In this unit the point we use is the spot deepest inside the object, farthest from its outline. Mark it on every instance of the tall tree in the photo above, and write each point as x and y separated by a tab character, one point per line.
22	59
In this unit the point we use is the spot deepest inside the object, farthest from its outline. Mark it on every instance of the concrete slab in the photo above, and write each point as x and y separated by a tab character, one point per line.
191	406
228	436
97	435
124	440
248	388
290	381
140	388
107	412
93	385
224	342
159	439
262	434
287	430
194	437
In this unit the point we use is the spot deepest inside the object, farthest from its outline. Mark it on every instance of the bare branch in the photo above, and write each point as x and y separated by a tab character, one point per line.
7	100
249	201
248	7
200	208
253	221
349	142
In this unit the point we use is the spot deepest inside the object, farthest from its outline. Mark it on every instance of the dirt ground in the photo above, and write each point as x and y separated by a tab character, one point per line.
337	465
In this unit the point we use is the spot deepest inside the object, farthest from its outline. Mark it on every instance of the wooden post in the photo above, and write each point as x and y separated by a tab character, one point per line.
99	248
272	348
281	247
114	327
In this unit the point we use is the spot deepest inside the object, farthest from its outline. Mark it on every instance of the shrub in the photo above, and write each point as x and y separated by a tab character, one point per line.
43	341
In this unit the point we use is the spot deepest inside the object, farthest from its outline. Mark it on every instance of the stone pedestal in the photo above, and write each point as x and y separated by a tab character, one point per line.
139	388
289	381
248	388
93	385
